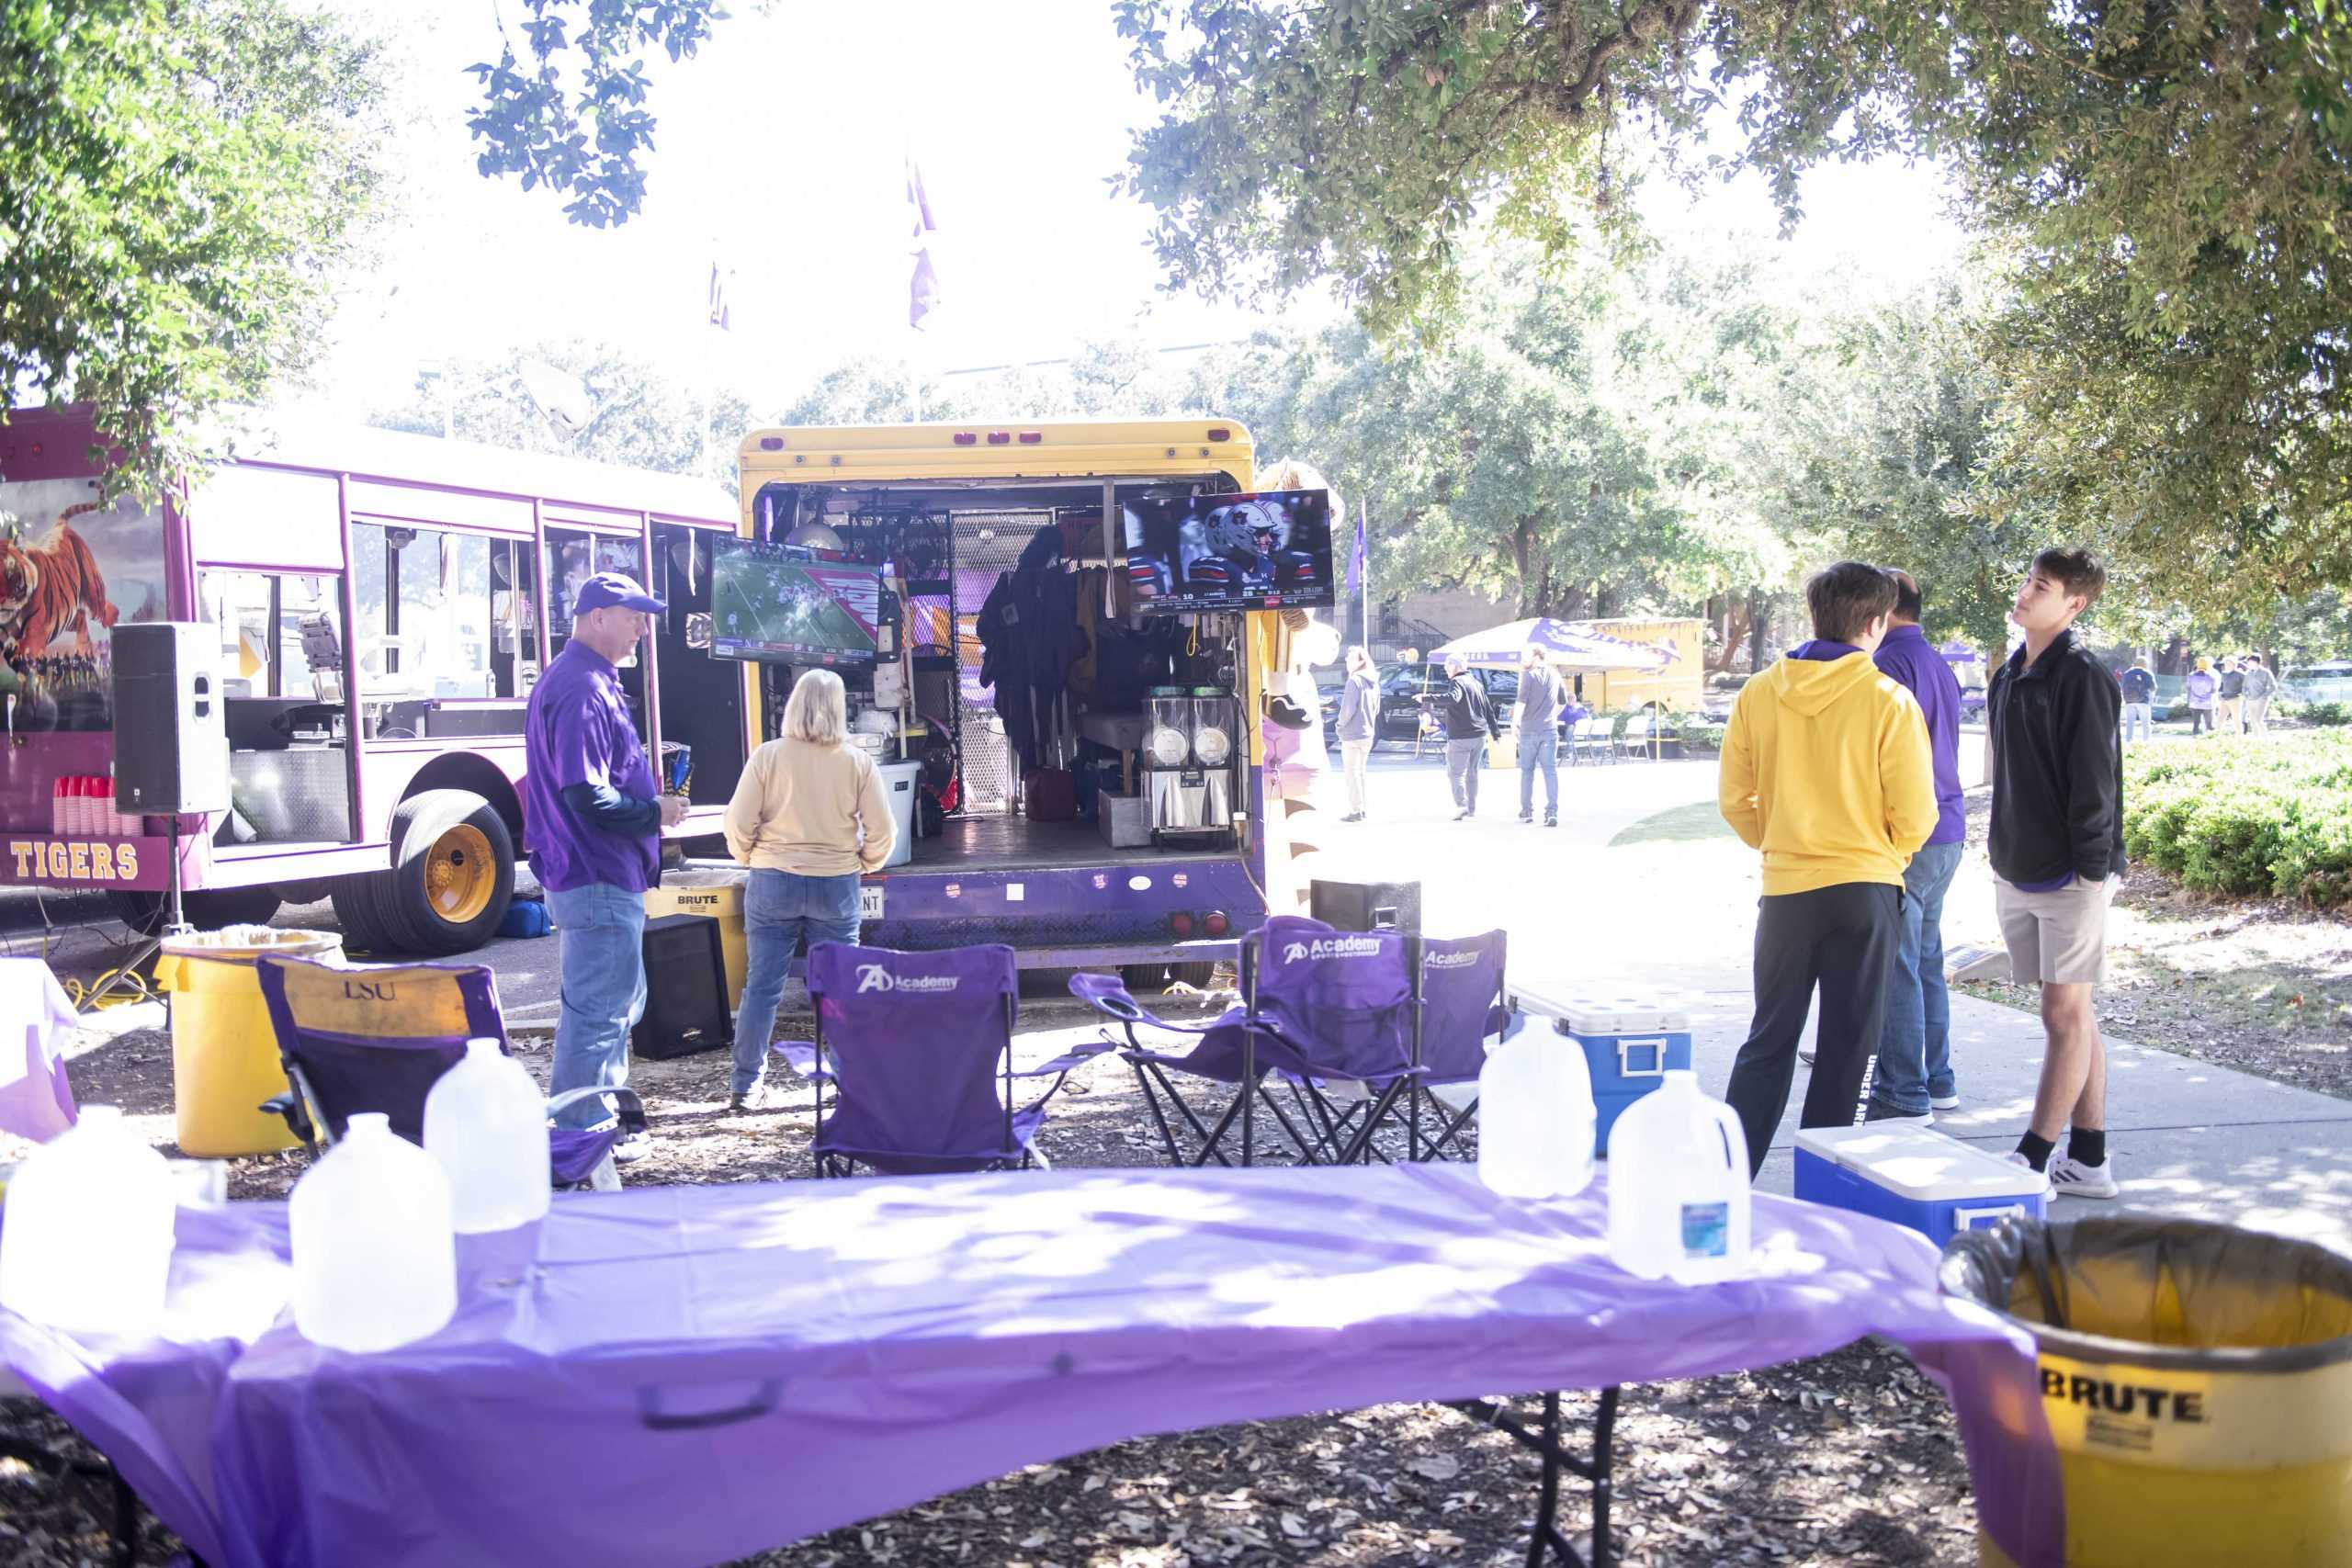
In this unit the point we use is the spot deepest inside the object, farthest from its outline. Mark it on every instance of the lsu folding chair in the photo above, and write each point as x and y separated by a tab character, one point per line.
1462	1004
917	1050
1319	1006
377	1037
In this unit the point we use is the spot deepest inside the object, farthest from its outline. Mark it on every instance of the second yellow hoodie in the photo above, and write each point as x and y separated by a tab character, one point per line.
1825	769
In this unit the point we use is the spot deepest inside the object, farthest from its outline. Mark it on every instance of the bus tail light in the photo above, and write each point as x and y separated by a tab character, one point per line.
1214	923
1180	923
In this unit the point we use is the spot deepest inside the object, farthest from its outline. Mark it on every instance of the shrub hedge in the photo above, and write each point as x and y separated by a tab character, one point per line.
2245	816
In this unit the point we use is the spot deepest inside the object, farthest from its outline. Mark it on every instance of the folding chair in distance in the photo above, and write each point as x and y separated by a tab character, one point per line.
917	1050
1591	738
1319	1007
377	1037
1636	741
1462	1004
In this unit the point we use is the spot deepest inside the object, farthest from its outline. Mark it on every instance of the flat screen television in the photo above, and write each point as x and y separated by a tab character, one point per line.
1270	549
767	605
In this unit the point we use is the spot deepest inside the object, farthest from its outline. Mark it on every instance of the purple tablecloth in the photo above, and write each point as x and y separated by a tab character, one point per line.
693	1373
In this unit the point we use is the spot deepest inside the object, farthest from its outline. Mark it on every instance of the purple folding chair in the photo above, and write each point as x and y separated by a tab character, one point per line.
917	1049
377	1037
1319	1006
1462	1004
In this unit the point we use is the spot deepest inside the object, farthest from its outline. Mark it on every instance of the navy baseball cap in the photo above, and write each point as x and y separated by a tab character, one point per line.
609	587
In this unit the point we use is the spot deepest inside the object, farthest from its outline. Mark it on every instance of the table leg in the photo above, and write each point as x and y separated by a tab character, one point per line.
1547	1538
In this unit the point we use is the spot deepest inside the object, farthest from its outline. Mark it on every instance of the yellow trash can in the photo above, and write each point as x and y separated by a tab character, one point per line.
715	892
2197	1378
224	1053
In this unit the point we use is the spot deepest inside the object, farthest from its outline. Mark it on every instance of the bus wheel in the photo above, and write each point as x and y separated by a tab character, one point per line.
452	875
208	910
1200	977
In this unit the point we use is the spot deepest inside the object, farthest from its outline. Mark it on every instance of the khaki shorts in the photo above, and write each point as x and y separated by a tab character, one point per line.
2058	938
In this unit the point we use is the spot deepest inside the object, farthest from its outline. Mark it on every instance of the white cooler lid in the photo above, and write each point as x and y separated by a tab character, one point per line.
1586	1013
1920	1163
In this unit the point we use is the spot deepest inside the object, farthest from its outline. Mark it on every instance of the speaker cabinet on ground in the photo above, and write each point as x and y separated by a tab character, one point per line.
171	752
685	989
1366	906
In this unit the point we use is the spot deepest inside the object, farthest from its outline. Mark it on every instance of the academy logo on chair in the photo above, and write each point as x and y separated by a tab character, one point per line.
875	977
1331	947
1453	960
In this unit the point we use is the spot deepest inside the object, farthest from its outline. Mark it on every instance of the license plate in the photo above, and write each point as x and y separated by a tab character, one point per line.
869	901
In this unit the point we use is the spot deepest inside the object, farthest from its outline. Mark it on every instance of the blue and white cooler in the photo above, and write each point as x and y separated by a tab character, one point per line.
1917	1177
1629	1046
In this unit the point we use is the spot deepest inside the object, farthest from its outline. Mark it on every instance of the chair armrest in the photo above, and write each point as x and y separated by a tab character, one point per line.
1075	1056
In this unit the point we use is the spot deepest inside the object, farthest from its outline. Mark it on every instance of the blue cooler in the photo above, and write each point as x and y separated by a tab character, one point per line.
1628	1046
1917	1177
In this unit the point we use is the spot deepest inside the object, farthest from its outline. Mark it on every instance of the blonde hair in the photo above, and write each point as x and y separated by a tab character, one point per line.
818	710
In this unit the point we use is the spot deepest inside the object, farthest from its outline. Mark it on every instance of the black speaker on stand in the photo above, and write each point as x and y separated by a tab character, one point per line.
167	694
685	989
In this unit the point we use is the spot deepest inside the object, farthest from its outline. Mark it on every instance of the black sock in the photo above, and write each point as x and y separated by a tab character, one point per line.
2037	1150
2088	1145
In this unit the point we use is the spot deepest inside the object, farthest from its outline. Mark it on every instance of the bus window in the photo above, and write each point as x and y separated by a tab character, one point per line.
425	605
259	616
571	560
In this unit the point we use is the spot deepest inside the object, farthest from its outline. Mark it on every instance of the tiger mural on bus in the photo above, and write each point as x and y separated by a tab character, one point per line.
49	589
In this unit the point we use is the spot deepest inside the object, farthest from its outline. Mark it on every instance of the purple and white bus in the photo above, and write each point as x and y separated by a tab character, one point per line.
383	602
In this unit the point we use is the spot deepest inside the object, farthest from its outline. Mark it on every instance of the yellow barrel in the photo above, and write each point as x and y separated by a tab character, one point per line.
715	892
224	1053
2198	1392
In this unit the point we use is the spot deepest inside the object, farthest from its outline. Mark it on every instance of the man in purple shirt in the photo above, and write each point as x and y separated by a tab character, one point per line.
592	816
1915	1077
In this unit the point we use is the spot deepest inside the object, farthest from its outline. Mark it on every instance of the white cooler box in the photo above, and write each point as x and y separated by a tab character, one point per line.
1917	1177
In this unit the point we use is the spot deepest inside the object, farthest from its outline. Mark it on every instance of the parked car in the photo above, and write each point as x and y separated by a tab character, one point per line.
2329	682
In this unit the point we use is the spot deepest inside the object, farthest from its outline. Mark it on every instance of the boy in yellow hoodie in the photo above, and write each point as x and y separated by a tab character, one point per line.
1825	769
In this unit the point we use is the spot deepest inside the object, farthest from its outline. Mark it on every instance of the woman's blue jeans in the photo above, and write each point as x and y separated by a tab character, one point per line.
780	907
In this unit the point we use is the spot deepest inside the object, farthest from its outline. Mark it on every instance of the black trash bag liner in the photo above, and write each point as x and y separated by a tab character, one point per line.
2161	1292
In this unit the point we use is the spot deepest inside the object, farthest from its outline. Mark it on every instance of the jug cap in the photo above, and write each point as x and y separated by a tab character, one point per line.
97	1115
367	1122
482	1045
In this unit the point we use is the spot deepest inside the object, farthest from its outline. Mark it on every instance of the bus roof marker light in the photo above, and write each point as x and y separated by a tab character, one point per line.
771	443
1000	438
965	438
1220	433
1032	437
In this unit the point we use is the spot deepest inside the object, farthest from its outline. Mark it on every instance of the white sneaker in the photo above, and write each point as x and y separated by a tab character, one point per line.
2073	1179
1944	1101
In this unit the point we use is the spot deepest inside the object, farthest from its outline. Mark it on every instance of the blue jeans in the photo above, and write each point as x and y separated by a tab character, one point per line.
779	909
602	930
1539	751
1914	1044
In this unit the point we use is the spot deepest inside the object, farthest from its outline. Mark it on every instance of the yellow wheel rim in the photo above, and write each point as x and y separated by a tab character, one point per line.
461	875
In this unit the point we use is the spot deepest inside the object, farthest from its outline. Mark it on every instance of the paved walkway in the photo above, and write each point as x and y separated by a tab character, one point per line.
1674	919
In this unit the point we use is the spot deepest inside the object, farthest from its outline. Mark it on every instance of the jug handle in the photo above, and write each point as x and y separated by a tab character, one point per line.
1735	1136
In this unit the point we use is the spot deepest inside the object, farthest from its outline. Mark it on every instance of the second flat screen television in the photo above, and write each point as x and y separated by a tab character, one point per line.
767	605
1270	549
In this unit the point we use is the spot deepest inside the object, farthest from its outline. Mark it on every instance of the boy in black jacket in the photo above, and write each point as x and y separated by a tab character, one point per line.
2057	852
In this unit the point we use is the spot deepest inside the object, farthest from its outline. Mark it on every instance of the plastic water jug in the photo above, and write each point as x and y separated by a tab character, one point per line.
486	1122
1535	1112
1678	1185
87	1242
375	1252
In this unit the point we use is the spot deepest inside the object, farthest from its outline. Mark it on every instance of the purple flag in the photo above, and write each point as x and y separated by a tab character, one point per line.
923	286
